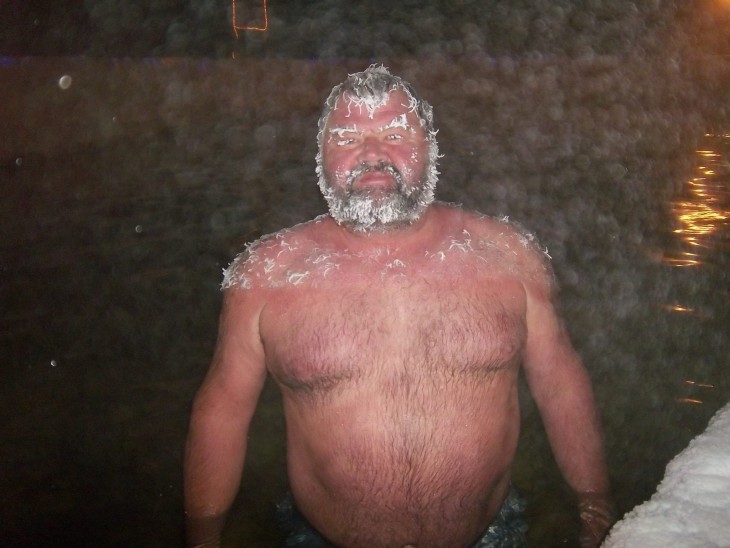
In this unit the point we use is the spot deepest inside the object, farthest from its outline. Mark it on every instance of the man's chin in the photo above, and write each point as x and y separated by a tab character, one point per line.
376	208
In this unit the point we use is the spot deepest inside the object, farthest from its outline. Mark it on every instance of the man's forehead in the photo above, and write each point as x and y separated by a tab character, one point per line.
396	102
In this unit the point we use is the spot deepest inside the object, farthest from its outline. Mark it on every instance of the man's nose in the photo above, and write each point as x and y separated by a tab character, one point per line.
372	150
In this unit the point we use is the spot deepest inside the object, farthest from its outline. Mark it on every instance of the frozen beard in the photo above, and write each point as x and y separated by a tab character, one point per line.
364	209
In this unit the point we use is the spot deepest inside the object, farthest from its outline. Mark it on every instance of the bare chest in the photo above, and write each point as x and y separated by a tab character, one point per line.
381	332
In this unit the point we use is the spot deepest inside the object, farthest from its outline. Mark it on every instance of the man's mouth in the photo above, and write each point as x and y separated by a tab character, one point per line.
376	176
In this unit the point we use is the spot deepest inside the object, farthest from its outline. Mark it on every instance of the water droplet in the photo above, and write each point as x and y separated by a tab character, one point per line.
54	363
65	81
138	229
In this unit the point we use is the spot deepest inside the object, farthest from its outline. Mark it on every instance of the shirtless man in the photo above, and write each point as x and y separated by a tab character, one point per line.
395	328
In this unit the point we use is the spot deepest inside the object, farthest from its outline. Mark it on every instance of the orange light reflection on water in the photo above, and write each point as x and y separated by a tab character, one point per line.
699	384
702	212
689	400
679	308
693	385
686	311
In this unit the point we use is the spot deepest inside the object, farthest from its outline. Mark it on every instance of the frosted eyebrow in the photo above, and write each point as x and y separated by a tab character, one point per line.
399	122
341	130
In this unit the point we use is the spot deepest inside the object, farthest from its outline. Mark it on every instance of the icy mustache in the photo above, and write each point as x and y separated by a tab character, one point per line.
380	167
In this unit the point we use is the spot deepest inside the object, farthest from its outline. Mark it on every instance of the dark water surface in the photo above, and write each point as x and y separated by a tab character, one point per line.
126	190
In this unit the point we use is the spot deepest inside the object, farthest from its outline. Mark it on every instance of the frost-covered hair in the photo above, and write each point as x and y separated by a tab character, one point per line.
370	89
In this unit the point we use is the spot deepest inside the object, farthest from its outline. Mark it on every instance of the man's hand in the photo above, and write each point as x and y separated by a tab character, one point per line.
596	516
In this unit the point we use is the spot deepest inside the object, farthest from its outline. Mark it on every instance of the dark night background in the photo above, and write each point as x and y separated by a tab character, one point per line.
142	144
332	28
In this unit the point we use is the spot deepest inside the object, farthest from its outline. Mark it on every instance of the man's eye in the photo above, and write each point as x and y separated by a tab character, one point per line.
394	137
345	142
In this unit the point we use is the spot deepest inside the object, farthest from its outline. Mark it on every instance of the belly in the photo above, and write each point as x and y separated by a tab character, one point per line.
431	471
401	406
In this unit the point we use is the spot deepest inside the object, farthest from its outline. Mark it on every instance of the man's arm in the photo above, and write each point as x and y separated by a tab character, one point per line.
562	391
222	412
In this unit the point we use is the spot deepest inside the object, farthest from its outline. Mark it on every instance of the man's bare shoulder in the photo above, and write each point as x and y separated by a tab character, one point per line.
516	250
275	259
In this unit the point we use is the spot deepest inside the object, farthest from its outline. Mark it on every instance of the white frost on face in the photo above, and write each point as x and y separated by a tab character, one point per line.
362	211
361	216
344	134
399	122
407	172
341	130
366	215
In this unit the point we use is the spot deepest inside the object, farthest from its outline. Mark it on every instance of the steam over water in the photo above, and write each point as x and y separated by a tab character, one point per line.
141	146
